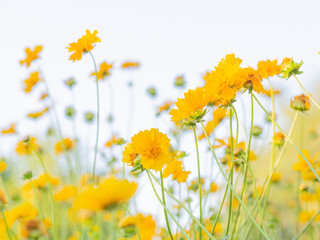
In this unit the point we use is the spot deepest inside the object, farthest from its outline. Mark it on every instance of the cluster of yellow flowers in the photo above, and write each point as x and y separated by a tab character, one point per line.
220	194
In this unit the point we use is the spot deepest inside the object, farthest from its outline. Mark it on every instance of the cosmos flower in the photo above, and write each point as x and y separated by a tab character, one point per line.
104	71
31	55
67	144
83	45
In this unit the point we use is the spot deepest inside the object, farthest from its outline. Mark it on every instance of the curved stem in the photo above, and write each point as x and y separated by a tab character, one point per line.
164	202
199	180
308	94
98	117
294	145
165	207
6	223
36	198
229	184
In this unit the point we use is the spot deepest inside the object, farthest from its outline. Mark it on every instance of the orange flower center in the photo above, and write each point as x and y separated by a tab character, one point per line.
153	151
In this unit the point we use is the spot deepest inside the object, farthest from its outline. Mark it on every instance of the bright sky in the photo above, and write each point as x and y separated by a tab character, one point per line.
168	37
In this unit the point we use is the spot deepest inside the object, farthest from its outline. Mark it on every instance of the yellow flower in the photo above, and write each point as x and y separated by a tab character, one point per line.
164	107
129	155
276	177
285	63
153	147
31	81
224	82
3	166
10	130
83	45
67	144
305	216
104	71
175	168
112	141
106	195
190	106
3	198
24	148
214	187
301	165
145	225
308	197
252	79
301	103
31	55
43	96
66	193
41	182
130	65
35	115
30	227
218	115
23	211
269	68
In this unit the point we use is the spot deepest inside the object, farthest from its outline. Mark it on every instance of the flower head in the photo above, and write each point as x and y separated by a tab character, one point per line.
107	194
291	69
130	65
36	115
31	81
83	45
190	109
175	169
153	148
252	80
31	55
27	147
300	103
10	130
3	166
269	68
66	144
104	71
66	193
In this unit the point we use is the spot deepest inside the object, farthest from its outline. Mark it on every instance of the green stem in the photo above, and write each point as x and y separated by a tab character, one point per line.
164	202
295	146
308	94
199	180
307	225
98	117
165	207
229	184
36	199
7	227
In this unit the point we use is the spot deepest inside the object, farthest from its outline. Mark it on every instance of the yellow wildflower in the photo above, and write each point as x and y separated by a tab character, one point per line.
66	193
107	194
153	147
41	182
3	166
36	115
305	216
269	68
31	55
104	71
214	187
83	45
10	130
164	107
3	198
67	144
218	115
31	81
175	168
130	65
24	148
129	155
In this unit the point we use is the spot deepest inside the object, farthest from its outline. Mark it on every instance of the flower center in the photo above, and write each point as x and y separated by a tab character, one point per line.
153	151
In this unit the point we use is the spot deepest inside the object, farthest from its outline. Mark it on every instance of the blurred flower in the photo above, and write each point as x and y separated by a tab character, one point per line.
70	112
107	194
180	82
269	68
89	117
24	148
3	198
104	71
252	80
130	65
304	168
214	187
67	144
83	45
41	182
218	115
152	92
31	55
32	229
300	103
276	177
70	83
3	166
43	96
279	139
305	216
153	147
36	115
256	131
31	81
164	107
68	192
175	169
10	130
190	109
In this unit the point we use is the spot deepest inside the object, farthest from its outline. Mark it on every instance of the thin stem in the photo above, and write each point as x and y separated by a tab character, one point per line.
98	117
307	225
308	94
7	227
164	202
295	146
36	198
199	180
229	184
165	207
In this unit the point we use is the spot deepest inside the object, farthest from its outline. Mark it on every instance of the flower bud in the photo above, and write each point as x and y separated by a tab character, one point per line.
152	92
89	116
180	82
256	131
300	103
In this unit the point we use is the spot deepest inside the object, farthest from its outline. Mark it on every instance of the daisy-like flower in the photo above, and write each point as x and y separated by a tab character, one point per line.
67	143
175	169
153	148
26	147
65	194
31	55
41	182
106	195
83	45
129	155
3	166
31	81
190	109
36	115
10	130
130	65
252	80
224	81
104	71
269	68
